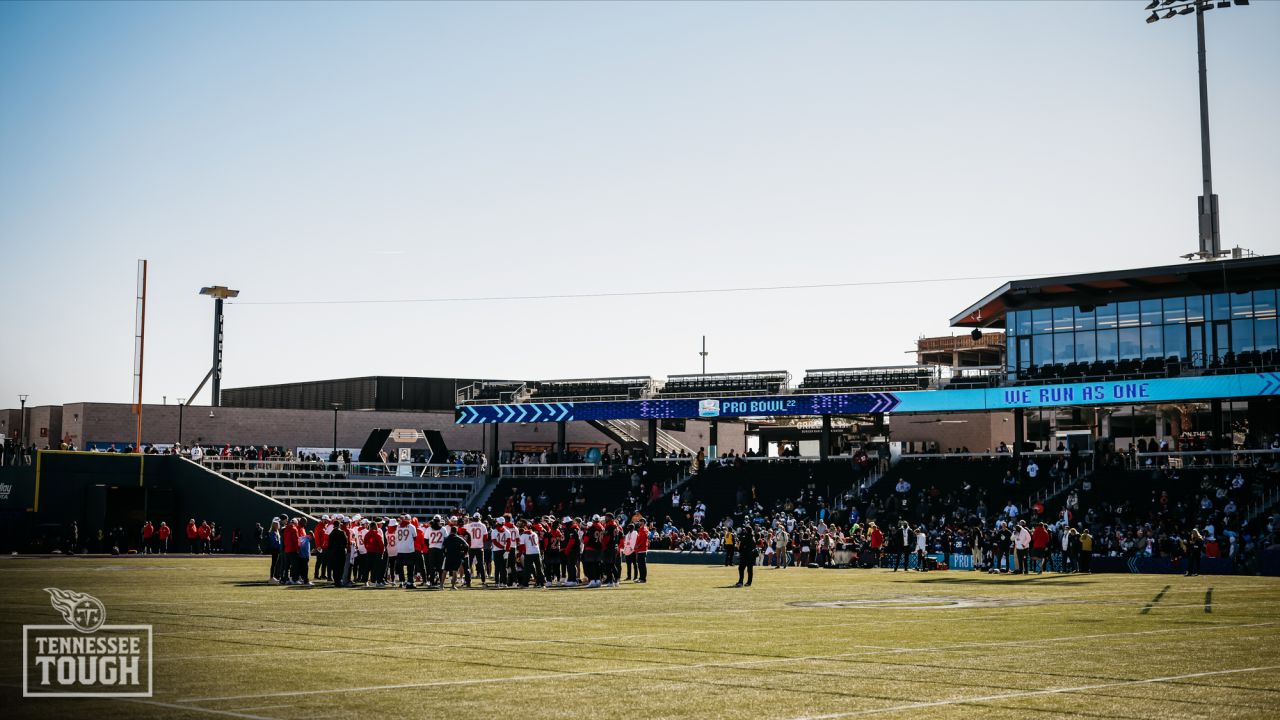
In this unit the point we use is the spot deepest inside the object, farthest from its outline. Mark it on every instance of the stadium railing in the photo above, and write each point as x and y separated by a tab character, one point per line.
552	470
239	468
1203	458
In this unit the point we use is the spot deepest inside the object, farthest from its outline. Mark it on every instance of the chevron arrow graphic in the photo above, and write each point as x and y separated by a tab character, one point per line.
535	412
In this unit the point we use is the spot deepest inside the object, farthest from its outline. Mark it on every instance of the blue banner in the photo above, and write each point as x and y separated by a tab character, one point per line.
913	401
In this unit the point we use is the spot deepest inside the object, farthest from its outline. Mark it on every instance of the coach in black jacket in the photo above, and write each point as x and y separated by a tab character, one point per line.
336	552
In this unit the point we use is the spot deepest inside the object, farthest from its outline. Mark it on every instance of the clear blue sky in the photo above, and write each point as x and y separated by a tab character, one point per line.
408	150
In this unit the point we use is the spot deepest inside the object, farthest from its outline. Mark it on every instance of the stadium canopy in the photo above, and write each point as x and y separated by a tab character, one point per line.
1118	285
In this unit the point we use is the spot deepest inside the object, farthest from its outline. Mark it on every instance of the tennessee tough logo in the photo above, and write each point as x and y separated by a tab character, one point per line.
82	611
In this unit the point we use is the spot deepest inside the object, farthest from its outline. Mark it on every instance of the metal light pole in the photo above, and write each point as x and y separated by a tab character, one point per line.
1210	238
218	293
22	428
704	354
336	406
181	403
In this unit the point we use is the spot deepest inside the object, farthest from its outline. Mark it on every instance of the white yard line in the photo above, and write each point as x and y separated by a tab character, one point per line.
190	708
551	675
1031	693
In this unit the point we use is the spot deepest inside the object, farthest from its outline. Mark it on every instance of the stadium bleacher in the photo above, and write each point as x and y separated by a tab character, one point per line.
767	382
896	377
373	490
621	388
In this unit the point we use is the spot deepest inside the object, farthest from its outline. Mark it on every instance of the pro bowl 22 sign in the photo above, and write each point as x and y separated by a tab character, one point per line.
85	657
1153	390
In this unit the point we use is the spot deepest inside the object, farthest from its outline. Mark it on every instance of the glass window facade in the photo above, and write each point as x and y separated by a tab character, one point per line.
1191	329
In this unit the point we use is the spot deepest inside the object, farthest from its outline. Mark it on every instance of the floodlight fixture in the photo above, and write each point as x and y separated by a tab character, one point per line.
1207	203
218	293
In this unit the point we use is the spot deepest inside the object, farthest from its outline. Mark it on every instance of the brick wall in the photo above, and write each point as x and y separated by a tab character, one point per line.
977	431
114	422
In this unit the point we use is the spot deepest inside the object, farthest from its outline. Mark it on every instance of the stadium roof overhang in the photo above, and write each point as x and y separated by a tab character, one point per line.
1119	285
1123	392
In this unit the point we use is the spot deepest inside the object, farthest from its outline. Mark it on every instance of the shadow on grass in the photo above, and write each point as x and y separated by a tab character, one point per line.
1000	580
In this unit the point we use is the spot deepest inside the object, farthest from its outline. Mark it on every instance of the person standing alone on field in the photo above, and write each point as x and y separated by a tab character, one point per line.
746	542
1086	550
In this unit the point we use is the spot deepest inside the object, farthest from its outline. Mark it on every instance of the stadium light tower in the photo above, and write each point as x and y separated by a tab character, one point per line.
218	293
1210	240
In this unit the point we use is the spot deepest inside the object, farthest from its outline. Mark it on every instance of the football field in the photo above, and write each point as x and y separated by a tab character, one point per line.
799	644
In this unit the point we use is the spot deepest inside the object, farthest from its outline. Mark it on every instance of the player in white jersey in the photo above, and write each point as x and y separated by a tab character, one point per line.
360	566
531	555
436	534
499	537
476	532
406	552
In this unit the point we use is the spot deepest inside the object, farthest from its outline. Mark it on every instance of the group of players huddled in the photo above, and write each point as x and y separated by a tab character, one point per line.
500	552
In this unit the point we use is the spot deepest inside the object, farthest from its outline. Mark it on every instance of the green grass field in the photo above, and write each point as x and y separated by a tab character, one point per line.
943	644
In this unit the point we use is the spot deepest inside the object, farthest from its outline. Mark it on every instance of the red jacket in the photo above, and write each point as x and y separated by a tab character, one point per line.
322	537
192	532
877	538
163	532
147	531
373	542
289	537
642	539
203	532
1039	538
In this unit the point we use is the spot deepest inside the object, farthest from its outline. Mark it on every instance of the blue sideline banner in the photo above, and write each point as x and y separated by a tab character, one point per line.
913	401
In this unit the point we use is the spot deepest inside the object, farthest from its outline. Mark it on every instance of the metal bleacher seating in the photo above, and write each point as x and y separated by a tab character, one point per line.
619	388
372	490
768	382
898	377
